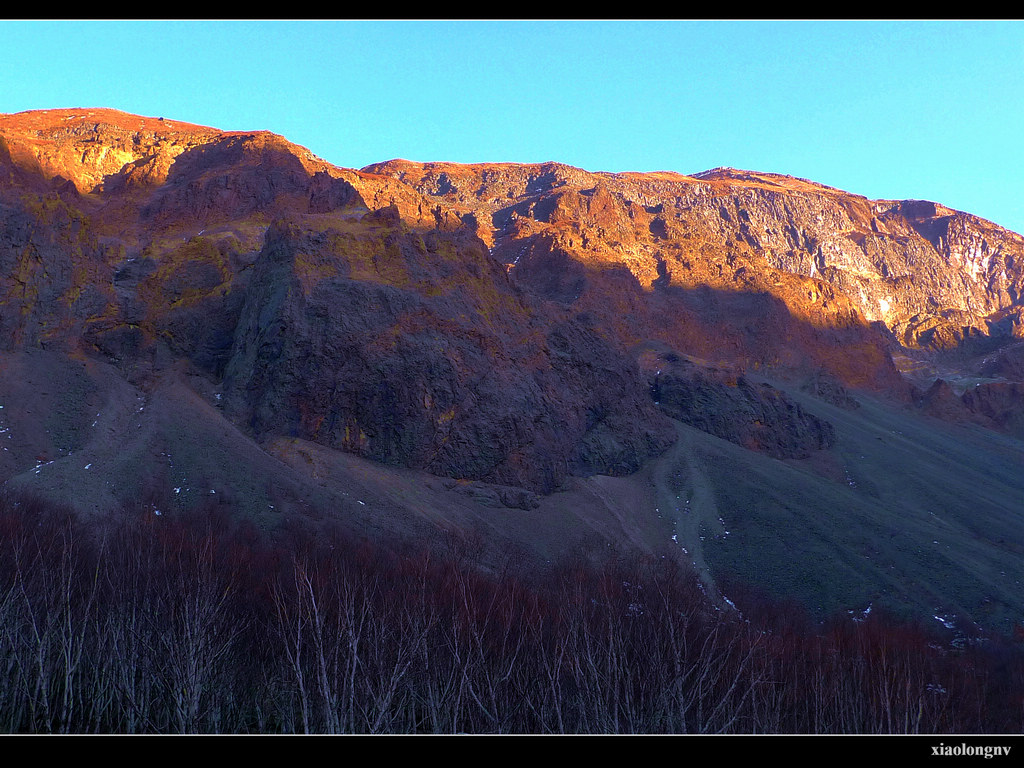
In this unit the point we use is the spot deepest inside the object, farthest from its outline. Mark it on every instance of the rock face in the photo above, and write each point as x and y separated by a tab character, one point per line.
725	403
416	350
492	323
999	405
1007	363
54	281
935	277
942	402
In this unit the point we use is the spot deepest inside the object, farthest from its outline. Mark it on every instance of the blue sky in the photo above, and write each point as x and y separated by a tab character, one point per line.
886	109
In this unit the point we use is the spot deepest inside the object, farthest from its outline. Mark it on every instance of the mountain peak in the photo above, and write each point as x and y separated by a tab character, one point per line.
764	179
89	147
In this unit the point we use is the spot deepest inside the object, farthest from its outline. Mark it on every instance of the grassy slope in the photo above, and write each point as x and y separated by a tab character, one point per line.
918	515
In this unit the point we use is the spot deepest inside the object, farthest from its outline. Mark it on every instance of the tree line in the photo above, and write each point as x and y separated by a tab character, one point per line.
195	624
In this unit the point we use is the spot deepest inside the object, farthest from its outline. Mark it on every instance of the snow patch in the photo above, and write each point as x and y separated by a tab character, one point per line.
863	615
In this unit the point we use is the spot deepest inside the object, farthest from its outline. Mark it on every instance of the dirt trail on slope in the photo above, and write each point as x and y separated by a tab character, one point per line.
685	496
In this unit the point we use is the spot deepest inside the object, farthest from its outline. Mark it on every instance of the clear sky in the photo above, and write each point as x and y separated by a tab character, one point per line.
887	109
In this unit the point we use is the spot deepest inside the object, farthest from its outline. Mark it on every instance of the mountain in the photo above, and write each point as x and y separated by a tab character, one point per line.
775	381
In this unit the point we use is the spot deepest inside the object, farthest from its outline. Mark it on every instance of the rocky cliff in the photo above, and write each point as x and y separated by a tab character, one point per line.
933	276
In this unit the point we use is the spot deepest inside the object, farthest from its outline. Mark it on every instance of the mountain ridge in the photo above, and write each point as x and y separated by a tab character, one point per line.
832	259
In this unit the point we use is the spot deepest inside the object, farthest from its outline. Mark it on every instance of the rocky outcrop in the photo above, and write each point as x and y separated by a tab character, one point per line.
940	401
998	404
491	495
1008	363
828	388
99	149
416	350
727	404
54	282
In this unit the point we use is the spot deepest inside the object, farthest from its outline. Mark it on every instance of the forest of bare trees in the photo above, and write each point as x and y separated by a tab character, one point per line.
157	625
